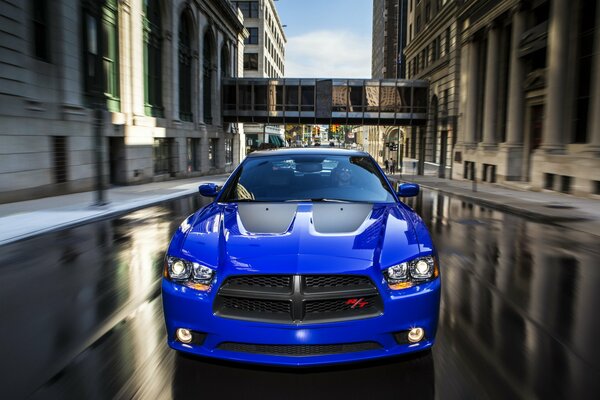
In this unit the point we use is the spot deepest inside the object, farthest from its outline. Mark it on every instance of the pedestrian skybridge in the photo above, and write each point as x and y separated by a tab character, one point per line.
325	101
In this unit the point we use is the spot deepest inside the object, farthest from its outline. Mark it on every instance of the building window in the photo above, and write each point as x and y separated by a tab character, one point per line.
40	30
448	40
164	159
251	61
59	147
418	24
208	79
101	54
427	12
253	38
225	66
248	8
185	67
193	154
228	151
110	35
212	152
153	58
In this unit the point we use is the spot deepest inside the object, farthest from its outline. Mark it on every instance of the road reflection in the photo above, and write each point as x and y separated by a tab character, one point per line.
82	317
61	292
520	297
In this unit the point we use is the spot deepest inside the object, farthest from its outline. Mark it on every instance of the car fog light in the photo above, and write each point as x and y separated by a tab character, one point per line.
184	335
416	335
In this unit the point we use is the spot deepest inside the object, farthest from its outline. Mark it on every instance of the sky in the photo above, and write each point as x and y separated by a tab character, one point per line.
327	38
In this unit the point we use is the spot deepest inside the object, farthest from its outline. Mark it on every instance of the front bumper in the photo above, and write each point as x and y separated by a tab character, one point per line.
402	310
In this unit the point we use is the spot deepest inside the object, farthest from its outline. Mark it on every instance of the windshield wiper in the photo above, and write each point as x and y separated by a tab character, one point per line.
318	199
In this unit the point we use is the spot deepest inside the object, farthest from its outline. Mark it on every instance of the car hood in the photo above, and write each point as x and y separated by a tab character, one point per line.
300	238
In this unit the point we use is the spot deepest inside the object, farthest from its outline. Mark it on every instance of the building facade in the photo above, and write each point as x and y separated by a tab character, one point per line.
390	18
432	54
134	81
530	108
264	57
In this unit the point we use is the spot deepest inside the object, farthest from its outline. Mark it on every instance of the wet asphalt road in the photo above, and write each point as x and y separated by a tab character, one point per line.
82	317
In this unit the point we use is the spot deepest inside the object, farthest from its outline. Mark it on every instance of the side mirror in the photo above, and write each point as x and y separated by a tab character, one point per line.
208	189
408	190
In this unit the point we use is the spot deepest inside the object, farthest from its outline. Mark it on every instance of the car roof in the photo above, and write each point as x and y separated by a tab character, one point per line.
310	151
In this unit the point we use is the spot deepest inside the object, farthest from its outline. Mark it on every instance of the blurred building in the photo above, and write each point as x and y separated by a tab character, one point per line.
151	67
389	38
431	54
514	90
388	62
532	94
264	57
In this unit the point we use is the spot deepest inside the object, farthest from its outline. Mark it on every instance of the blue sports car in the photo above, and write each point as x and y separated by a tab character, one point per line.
305	257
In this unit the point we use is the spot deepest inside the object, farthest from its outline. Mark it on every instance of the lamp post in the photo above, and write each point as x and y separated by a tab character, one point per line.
399	149
95	78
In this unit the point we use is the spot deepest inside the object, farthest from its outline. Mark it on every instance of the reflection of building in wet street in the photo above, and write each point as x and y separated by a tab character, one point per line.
519	299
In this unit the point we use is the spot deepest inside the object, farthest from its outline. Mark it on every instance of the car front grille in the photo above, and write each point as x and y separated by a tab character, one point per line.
298	299
299	350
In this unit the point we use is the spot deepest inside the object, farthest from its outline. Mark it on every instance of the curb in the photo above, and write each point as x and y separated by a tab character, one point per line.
526	213
100	216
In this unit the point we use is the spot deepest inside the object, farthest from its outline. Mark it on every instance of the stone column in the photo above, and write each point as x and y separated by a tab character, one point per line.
516	97
515	117
555	126
594	110
471	111
491	88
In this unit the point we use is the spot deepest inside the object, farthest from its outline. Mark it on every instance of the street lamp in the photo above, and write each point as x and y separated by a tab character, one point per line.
95	80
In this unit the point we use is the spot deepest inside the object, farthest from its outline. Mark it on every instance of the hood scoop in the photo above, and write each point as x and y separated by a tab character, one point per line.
326	218
340	218
266	217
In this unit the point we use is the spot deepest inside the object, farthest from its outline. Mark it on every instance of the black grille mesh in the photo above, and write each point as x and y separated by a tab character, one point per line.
297	298
299	350
267	281
324	281
256	305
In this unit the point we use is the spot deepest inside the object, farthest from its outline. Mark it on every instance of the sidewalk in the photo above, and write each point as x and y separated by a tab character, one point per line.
25	219
29	218
548	207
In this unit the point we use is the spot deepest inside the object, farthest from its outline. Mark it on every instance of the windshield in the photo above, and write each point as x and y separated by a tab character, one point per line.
308	178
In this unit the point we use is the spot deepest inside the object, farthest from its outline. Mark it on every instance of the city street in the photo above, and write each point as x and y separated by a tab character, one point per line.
82	316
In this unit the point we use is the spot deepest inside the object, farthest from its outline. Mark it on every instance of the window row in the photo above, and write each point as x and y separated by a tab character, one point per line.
101	59
249	9
272	24
273	53
370	97
437	49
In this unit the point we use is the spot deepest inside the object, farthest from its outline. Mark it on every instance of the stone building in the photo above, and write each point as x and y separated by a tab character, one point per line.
150	70
264	57
432	54
514	91
530	97
388	62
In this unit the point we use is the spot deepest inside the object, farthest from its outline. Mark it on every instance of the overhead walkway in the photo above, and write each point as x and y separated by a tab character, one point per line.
325	101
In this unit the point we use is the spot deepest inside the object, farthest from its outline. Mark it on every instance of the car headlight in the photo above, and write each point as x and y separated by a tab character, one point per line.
190	274
410	273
